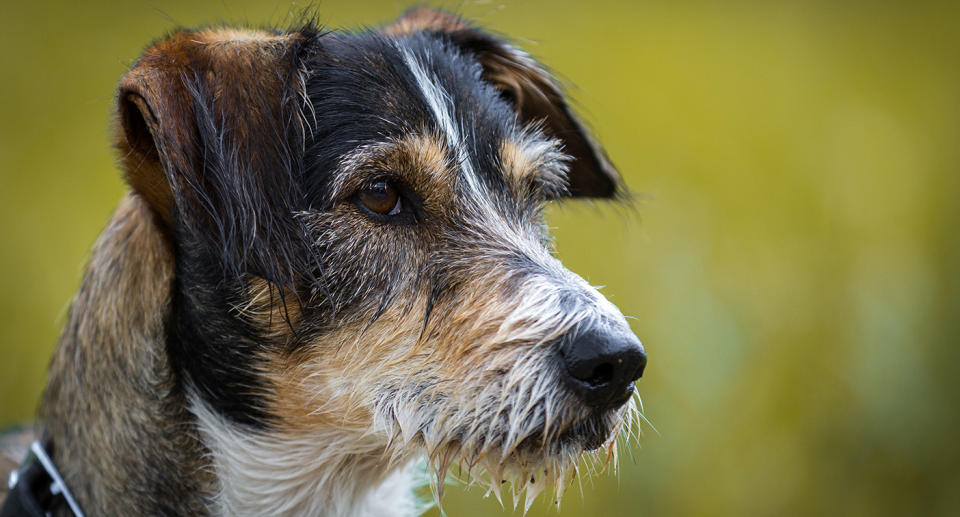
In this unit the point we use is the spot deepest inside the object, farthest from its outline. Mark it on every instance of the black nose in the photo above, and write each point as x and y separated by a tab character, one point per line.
601	364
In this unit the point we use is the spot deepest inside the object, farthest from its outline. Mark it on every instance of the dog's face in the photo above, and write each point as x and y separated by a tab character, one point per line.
356	220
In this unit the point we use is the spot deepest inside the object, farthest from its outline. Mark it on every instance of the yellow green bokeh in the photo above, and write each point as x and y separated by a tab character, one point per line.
792	262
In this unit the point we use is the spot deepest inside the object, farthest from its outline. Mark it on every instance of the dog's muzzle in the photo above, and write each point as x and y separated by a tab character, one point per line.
601	361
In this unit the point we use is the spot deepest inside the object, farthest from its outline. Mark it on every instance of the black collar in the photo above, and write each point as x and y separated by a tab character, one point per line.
36	488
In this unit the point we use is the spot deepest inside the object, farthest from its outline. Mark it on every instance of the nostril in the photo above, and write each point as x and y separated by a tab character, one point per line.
601	365
601	374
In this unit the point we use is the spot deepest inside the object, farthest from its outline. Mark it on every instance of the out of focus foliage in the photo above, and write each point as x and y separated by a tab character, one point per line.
792	262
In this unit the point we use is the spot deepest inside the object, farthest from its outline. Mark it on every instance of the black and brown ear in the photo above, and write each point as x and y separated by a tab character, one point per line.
536	95
209	129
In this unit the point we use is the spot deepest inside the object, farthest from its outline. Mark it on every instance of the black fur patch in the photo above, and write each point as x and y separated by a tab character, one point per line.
253	198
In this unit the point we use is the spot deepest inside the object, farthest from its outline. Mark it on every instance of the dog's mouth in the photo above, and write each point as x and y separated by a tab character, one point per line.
547	459
594	433
533	440
591	432
525	457
587	434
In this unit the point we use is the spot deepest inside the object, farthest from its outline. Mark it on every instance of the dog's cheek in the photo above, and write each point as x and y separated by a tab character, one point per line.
275	313
366	265
335	378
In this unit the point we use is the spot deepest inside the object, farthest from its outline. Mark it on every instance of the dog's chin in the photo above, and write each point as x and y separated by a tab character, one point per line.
542	457
584	435
591	432
537	463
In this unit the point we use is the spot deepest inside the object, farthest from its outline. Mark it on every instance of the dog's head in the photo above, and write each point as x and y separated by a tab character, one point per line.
356	222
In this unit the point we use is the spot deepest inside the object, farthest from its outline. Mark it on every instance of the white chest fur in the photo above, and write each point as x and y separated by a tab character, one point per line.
324	473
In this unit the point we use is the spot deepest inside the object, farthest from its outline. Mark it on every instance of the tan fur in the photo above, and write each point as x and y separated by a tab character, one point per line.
530	163
421	157
271	309
425	19
239	65
517	164
466	374
537	97
104	404
474	343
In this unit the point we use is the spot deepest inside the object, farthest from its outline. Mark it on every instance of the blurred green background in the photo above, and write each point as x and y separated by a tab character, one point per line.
793	266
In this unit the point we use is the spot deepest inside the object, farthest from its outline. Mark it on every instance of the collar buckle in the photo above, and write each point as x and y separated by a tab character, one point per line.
41	487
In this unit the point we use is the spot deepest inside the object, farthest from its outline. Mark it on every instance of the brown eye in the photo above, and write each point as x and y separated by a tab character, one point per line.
381	198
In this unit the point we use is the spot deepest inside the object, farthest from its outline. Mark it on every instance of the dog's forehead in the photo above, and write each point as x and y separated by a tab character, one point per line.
369	89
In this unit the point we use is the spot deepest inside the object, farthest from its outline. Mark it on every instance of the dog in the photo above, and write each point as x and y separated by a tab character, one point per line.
331	271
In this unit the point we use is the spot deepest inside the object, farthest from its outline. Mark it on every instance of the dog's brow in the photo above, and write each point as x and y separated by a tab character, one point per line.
532	156
348	179
440	106
421	159
427	154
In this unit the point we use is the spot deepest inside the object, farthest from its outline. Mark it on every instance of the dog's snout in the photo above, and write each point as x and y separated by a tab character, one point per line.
601	365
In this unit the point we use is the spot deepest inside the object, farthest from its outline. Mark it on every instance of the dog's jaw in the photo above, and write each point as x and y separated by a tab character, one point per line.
348	472
529	437
480	386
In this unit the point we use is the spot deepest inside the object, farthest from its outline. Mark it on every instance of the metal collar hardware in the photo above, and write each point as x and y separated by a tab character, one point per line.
37	487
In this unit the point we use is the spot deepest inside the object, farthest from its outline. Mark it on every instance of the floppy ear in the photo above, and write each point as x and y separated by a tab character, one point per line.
535	94
211	131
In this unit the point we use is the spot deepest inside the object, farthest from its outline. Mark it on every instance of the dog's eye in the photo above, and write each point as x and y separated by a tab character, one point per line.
381	198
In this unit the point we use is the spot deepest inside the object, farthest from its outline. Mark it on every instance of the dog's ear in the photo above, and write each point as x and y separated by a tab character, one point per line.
211	128
534	93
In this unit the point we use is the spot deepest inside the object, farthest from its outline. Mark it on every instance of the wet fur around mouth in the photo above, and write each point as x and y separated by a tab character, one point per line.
532	438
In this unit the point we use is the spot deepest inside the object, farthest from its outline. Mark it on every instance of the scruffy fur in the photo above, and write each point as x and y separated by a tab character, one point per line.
250	339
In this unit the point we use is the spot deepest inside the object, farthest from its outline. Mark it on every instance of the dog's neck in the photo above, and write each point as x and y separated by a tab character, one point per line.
113	409
130	440
321	472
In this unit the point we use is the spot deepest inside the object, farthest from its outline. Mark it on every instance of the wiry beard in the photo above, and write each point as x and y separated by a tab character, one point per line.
519	427
472	377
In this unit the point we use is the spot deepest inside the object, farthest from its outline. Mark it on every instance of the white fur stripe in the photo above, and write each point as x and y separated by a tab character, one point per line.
439	102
